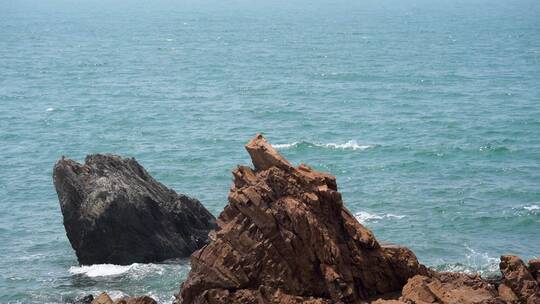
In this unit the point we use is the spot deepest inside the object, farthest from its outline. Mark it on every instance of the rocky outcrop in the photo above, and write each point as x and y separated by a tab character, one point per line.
115	212
104	298
519	279
515	286
286	237
447	288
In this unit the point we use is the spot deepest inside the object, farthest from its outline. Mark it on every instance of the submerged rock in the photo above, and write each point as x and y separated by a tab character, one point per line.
84	300
115	212
286	237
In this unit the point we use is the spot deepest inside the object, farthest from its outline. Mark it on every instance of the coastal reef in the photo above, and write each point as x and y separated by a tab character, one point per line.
115	212
285	236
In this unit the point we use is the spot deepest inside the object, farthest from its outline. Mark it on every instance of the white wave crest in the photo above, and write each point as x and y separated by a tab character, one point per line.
285	146
50	109
532	207
351	144
135	270
364	217
100	270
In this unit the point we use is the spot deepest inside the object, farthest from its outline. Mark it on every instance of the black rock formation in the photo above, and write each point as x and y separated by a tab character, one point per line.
115	212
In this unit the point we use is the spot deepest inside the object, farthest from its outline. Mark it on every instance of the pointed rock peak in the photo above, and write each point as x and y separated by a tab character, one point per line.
264	156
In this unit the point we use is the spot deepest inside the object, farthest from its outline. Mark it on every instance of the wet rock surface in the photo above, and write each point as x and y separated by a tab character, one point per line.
115	212
286	237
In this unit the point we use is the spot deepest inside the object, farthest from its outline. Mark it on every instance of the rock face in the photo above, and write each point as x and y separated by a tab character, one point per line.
115	212
286	237
519	279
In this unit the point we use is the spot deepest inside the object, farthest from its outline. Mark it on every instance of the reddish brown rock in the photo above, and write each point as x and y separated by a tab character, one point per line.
285	237
449	288
104	298
507	295
534	269
519	279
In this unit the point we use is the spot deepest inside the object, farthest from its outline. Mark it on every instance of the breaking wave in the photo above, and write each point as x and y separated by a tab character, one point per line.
474	262
532	207
102	270
349	145
364	217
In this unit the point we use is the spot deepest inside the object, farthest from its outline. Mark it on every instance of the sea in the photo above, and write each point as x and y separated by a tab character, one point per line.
427	112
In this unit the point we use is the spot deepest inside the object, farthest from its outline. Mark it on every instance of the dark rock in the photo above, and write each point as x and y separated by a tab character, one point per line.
286	237
84	300
115	212
534	269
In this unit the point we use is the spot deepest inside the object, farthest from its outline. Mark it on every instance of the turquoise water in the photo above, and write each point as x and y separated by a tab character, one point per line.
428	113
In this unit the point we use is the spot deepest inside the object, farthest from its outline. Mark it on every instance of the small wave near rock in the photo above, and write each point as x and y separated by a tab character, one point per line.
101	270
349	145
364	217
135	270
532	207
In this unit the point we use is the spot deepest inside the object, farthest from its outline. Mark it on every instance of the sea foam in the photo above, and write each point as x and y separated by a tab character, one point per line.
532	207
349	145
364	217
474	262
135	270
100	270
285	146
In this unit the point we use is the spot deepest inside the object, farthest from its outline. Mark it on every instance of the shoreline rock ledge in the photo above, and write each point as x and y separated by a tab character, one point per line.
115	212
286	237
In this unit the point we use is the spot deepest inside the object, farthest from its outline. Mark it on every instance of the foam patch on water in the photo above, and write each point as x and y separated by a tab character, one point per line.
474	262
364	217
285	146
349	145
532	207
100	270
49	109
134	271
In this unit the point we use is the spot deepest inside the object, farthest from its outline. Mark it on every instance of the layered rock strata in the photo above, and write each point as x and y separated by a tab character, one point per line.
286	237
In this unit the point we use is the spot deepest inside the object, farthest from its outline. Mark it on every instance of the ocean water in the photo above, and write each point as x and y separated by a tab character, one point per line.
428	113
